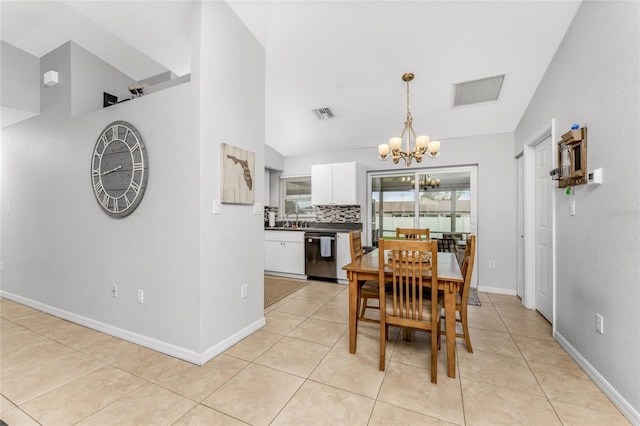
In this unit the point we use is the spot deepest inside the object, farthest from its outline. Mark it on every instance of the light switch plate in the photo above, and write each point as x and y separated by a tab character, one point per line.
216	207
257	208
572	208
594	177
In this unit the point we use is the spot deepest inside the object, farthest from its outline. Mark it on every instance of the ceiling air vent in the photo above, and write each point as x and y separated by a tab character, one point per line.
323	113
477	91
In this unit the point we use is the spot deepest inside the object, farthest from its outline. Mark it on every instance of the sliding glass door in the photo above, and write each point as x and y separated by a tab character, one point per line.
439	199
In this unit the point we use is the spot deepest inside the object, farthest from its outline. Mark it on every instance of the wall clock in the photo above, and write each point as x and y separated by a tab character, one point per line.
119	169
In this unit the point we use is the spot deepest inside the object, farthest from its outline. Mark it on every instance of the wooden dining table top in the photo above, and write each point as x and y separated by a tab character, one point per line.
448	268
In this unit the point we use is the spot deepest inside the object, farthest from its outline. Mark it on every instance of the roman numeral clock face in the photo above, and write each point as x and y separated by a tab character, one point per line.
119	169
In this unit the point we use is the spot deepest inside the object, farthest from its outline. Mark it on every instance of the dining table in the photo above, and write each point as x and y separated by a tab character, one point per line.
450	281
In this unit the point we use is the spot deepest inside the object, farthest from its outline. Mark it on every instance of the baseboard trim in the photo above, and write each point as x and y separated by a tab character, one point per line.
222	346
496	290
285	275
139	339
618	400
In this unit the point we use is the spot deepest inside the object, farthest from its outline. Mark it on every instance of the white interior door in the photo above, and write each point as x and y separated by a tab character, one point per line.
520	235
543	230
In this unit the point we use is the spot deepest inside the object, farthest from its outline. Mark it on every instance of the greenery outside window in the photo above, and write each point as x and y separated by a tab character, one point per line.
295	196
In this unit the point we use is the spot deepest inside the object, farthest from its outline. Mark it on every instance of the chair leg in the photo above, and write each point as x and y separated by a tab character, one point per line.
435	339
365	302
357	311
383	343
465	329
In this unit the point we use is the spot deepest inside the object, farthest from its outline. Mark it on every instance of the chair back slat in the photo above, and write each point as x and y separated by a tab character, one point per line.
410	273
355	243
413	233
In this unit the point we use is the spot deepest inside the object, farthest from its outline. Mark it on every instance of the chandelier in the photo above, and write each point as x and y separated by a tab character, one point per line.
423	146
424	181
431	183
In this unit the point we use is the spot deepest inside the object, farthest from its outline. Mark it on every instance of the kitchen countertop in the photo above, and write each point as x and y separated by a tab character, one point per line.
320	227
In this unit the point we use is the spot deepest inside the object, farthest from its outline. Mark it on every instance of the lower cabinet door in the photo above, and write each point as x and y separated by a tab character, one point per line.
286	257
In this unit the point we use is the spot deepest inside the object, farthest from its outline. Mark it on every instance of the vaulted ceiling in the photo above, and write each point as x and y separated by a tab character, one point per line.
348	56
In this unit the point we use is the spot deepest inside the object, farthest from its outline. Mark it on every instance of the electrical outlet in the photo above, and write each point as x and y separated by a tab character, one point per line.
243	291
114	290
140	296
492	264
599	324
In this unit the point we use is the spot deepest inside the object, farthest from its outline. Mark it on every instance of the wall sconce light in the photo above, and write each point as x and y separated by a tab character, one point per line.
51	78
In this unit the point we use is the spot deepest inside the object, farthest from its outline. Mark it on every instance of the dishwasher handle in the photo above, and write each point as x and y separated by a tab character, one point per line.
317	238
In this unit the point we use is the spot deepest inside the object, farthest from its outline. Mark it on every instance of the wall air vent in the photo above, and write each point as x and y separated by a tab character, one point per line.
323	113
477	91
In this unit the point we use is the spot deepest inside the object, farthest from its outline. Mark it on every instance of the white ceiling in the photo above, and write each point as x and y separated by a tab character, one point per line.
346	55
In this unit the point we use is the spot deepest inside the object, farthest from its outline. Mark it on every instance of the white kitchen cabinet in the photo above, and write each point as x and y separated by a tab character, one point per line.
334	184
284	252
343	255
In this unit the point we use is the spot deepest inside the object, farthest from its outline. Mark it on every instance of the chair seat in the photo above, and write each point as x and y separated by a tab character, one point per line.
370	289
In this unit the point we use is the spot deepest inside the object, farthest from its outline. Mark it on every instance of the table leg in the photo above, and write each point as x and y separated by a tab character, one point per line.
353	310
450	327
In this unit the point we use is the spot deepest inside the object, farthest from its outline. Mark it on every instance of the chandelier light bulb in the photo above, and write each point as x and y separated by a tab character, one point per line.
422	141
434	147
395	143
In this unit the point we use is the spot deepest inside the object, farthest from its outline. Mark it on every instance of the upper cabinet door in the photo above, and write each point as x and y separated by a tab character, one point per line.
334	184
344	183
321	185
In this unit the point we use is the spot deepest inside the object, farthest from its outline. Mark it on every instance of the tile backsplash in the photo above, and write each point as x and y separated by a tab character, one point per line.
338	214
326	214
268	209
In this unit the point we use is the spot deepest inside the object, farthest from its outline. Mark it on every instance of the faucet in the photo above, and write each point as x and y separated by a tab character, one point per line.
296	213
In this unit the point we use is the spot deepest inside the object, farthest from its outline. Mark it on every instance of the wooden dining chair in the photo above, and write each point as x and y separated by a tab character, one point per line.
406	304
413	233
368	289
462	297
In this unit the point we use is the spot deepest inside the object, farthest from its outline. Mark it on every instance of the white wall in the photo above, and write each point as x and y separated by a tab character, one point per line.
272	159
62	251
21	73
231	78
91	77
496	228
594	81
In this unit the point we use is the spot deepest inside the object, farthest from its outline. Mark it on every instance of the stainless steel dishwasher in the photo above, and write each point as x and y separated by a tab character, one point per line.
320	255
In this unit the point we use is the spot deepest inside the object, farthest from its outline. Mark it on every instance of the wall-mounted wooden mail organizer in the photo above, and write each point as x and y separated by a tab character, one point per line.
572	159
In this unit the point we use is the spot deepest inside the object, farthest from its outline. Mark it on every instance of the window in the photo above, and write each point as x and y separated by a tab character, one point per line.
406	200
295	196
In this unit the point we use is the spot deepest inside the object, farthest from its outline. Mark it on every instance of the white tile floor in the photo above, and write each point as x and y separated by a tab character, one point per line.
297	370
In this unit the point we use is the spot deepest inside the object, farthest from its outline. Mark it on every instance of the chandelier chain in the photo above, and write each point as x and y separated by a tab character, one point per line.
409	117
